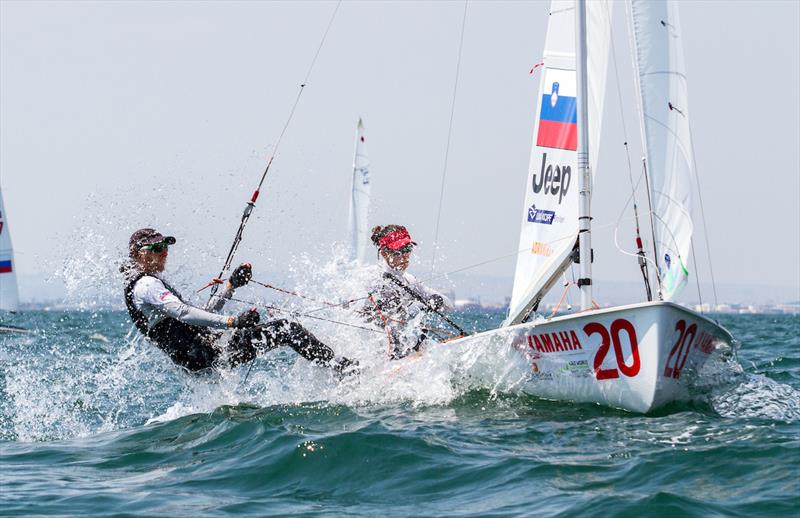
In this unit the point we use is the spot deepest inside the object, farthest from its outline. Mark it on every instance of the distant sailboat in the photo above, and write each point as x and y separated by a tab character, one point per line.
9	296
357	224
640	356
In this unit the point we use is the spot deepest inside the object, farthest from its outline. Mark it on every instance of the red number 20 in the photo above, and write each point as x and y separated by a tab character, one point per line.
606	340
682	345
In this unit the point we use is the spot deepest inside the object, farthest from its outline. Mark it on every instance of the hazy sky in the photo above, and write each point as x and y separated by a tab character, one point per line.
119	115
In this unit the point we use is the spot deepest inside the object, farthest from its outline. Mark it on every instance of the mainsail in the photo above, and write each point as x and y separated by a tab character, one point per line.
9	298
550	218
359	198
667	139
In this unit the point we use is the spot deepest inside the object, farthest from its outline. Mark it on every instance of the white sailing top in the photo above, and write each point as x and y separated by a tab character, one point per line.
156	301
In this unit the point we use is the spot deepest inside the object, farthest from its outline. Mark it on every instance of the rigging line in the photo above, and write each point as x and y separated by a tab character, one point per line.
642	257
425	303
306	297
520	251
252	202
298	314
622	119
696	276
703	216
619	220
327	305
449	134
637	76
652	226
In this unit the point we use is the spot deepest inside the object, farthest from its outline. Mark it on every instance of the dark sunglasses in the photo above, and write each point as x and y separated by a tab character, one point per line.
155	247
400	251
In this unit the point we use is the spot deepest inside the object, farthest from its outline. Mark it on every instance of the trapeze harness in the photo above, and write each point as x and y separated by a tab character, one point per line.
193	346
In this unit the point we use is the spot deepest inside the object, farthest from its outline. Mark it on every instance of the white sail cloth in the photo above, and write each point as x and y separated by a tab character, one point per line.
667	139
550	217
9	297
357	225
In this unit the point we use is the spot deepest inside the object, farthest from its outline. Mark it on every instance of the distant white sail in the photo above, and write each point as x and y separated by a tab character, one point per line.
359	199
9	297
665	124
550	218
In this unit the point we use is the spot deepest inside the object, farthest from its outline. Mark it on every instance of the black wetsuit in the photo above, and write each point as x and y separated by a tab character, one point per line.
195	347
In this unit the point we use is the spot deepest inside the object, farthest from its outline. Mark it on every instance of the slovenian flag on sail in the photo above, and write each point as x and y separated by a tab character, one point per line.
558	118
5	266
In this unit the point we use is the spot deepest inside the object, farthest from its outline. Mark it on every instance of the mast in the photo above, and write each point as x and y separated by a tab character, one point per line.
584	175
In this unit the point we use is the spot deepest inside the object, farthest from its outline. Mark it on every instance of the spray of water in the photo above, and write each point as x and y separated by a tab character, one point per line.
65	381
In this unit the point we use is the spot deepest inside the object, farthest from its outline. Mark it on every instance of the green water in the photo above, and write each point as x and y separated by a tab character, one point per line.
93	425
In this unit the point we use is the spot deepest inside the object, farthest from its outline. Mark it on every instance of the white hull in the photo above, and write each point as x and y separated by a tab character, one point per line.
637	357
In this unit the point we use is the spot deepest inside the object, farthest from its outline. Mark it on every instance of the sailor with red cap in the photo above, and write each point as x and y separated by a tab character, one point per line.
398	300
191	336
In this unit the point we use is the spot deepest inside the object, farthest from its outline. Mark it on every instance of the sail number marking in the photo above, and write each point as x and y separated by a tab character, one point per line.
614	338
688	338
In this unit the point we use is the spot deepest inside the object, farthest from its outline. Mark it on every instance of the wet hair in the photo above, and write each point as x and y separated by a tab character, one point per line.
378	232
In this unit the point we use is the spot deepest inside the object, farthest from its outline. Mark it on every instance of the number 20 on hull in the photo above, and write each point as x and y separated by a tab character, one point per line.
613	336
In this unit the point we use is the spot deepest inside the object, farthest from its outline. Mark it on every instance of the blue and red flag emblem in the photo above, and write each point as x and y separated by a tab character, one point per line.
558	121
5	266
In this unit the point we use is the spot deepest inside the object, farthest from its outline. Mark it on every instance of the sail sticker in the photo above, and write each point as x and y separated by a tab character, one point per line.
541	249
5	266
558	118
544	217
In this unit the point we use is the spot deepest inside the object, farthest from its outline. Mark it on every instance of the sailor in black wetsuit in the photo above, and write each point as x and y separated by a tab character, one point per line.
191	336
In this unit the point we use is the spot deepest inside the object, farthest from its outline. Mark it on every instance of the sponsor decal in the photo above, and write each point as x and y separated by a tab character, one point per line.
558	121
165	295
616	355
577	368
541	249
553	179
554	342
5	266
545	217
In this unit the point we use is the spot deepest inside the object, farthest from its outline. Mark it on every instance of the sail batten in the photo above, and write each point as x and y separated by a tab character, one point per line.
358	229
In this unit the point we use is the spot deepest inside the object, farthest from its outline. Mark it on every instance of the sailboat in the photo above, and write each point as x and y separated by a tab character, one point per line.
9	296
640	356
358	230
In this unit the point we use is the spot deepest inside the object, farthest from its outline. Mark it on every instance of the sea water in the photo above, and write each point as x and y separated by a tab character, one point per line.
95	422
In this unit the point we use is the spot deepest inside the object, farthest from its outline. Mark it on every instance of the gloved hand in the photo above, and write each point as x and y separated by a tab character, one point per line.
249	318
241	275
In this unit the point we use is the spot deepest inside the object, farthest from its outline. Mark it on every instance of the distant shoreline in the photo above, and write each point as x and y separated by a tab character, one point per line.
469	306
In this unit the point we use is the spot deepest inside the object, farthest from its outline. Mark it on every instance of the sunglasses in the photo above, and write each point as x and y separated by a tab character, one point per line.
155	247
400	251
